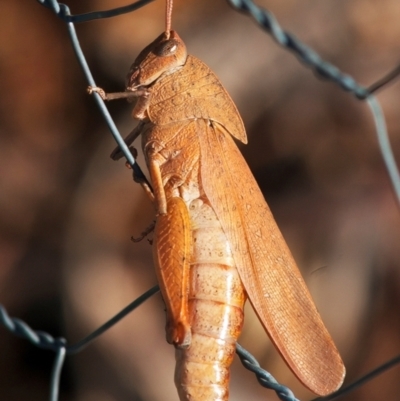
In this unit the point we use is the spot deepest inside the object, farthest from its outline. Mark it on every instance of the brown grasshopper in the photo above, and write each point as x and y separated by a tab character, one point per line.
216	242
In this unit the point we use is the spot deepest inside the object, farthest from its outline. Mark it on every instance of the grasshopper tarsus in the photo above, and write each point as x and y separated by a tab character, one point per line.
95	89
145	233
128	94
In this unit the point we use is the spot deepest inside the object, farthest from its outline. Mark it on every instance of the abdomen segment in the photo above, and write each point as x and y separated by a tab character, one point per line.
216	299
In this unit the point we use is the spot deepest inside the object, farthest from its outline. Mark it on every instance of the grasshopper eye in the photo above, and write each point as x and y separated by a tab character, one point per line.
167	48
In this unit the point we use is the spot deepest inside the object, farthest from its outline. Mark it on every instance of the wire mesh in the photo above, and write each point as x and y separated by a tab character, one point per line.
307	56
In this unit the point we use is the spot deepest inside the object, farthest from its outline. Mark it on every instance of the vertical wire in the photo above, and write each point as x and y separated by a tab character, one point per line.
384	144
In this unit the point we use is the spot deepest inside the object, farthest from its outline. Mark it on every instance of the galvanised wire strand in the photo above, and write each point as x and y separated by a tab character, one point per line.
264	377
41	340
63	12
59	345
323	69
384	144
308	56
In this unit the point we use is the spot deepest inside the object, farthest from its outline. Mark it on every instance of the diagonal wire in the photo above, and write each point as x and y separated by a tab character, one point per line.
308	56
362	380
264	378
392	75
62	11
73	349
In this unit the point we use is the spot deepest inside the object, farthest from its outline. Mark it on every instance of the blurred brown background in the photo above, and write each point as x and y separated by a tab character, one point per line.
67	211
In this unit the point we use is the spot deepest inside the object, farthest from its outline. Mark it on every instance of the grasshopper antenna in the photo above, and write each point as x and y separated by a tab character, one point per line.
168	17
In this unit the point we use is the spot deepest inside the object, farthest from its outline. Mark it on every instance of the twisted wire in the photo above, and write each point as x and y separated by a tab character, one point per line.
263	377
323	69
21	329
59	345
62	11
308	56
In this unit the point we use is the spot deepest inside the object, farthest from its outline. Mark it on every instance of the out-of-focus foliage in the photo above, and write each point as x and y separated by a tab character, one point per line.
67	211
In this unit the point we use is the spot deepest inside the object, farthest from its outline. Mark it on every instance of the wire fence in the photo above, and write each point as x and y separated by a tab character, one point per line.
313	61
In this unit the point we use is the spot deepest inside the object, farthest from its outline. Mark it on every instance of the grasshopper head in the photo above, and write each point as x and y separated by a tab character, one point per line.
163	56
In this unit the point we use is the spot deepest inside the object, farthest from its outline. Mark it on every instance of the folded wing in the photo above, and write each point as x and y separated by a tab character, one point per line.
268	271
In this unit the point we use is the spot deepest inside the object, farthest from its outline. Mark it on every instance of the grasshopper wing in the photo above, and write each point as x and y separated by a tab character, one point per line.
267	269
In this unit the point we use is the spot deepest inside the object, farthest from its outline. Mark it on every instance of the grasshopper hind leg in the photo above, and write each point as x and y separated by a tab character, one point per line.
172	250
